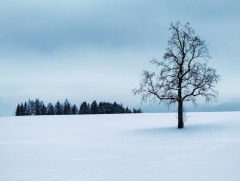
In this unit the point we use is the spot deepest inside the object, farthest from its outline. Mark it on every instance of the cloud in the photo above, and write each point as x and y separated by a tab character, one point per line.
44	25
98	48
51	25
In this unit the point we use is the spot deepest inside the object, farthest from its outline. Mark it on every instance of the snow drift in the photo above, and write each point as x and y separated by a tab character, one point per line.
136	147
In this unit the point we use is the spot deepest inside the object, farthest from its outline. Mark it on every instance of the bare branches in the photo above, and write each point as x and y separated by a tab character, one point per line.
184	74
151	89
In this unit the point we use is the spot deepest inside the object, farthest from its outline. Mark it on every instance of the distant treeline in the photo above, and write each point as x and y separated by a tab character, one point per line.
38	107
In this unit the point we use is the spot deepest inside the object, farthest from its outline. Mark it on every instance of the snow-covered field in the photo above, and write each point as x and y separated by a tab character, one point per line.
130	147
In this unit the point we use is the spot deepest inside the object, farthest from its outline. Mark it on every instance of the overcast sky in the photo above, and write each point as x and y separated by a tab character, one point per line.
97	49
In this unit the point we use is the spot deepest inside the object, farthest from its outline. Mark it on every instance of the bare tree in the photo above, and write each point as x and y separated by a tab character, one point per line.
184	74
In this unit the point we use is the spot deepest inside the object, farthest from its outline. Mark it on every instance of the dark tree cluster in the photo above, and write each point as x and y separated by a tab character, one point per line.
38	107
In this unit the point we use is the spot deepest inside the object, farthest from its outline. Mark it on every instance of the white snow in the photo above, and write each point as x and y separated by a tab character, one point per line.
127	147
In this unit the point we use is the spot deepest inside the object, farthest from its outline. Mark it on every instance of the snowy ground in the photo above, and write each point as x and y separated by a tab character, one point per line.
134	147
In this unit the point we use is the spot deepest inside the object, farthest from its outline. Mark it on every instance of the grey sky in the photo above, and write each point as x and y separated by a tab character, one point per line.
97	49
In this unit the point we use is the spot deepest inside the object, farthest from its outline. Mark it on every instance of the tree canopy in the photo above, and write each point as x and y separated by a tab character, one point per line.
183	73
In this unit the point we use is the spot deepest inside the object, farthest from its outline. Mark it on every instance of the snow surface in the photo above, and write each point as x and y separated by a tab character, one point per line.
127	147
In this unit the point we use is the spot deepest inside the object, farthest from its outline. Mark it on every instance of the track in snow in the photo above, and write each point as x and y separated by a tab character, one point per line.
214	148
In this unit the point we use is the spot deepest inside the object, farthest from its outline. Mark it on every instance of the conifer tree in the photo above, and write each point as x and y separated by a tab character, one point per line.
84	108
94	107
37	107
74	109
128	110
22	110
50	109
88	109
66	108
43	110
31	107
58	108
26	109
101	108
17	113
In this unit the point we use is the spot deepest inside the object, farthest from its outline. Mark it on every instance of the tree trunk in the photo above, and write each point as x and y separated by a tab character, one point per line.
180	114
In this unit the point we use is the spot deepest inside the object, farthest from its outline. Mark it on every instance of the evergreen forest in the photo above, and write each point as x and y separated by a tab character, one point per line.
37	107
